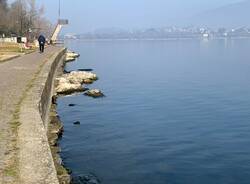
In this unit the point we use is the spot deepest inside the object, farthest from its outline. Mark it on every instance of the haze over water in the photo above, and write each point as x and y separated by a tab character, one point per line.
85	16
175	112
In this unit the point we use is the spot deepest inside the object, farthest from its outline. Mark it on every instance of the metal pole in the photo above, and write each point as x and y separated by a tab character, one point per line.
59	11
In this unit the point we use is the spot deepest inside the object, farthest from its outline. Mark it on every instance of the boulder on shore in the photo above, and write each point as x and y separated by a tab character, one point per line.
88	81
86	179
76	77
69	59
73	82
71	56
95	93
68	88
77	123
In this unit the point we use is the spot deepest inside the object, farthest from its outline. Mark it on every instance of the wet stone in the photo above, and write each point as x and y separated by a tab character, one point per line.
65	71
54	98
85	70
77	123
95	93
88	81
87	179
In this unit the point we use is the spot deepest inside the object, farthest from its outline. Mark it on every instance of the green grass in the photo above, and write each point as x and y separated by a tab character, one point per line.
1	103
14	47
8	50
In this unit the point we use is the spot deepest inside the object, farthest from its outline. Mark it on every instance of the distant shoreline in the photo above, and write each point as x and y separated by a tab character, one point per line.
160	39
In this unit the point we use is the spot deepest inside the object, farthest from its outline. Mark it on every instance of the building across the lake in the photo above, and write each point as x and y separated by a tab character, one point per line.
163	33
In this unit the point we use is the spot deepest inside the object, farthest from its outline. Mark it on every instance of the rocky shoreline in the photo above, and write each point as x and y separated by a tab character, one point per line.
74	82
68	83
55	131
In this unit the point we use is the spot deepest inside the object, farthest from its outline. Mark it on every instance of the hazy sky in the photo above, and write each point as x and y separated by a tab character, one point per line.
87	15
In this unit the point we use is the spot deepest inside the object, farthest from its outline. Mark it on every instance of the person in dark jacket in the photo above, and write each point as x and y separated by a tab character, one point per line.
41	40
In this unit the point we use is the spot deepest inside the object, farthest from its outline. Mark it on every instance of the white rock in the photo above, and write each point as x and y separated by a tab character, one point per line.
73	79
72	82
94	93
79	76
66	88
68	59
60	80
72	54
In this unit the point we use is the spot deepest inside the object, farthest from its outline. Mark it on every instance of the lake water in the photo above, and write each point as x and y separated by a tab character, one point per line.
175	112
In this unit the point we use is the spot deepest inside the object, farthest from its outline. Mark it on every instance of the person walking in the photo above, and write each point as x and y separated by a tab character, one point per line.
41	40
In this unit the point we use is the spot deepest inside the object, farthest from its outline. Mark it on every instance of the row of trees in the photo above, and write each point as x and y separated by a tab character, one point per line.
22	17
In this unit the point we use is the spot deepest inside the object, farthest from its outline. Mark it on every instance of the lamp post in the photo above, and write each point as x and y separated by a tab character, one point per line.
60	24
59	10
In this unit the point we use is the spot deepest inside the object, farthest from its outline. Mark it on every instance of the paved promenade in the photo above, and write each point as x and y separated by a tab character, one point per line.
15	76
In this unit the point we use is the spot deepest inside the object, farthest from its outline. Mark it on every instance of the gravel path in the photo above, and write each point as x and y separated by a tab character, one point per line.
15	75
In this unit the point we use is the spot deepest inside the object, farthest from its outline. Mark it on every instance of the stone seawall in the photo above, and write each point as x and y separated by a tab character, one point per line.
36	164
48	88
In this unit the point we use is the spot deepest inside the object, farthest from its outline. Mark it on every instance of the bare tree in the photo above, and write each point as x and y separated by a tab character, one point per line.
22	16
3	12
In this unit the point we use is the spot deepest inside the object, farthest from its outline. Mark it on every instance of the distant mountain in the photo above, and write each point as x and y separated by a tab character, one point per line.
234	15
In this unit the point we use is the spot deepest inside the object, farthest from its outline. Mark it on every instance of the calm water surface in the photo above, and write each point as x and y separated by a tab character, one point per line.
175	112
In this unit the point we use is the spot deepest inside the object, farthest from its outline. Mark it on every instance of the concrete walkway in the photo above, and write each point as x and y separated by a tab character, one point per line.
15	75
